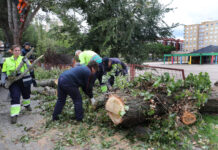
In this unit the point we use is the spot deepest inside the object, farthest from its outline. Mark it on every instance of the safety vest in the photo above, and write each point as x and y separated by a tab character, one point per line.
10	65
86	56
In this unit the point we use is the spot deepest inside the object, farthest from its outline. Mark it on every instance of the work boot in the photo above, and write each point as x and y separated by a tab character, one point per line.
14	119
28	108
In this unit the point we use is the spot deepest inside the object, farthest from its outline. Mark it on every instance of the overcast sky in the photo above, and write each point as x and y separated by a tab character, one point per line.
190	12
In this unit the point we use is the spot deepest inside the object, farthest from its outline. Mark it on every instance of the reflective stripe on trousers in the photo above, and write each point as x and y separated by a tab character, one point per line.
15	109
26	102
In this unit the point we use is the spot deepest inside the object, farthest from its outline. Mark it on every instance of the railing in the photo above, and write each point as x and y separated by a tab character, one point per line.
134	70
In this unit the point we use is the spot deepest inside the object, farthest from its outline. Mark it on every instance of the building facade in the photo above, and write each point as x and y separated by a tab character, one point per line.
177	43
200	35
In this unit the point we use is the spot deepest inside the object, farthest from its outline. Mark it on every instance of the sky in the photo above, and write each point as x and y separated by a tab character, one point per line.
190	12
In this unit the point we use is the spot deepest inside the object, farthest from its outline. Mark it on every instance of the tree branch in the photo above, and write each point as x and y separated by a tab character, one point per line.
14	12
31	16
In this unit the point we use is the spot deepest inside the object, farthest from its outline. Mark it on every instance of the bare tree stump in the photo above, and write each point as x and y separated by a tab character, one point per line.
188	118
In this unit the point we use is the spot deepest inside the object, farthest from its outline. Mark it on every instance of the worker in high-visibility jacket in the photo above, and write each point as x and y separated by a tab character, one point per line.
85	57
19	87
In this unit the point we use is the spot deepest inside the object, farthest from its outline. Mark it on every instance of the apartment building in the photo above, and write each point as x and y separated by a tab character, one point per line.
200	35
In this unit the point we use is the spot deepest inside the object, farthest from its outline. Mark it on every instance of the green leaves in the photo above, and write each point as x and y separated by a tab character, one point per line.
115	27
122	113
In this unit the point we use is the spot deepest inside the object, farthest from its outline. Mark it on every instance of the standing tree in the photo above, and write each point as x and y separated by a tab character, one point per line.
10	19
4	21
122	27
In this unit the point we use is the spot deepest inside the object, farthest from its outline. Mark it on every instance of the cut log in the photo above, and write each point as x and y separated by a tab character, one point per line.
211	106
44	91
49	82
188	118
128	111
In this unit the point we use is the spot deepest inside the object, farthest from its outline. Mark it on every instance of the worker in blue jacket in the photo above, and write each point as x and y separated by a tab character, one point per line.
69	83
24	51
109	62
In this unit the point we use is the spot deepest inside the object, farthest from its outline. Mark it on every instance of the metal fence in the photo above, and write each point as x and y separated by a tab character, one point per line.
136	70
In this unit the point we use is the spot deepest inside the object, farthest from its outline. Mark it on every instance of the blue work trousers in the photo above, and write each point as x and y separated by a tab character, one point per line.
17	89
64	89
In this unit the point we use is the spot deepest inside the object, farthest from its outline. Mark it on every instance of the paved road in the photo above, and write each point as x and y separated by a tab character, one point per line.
212	69
10	134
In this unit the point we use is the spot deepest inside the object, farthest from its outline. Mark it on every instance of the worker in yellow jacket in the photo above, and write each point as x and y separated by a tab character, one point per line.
85	57
20	87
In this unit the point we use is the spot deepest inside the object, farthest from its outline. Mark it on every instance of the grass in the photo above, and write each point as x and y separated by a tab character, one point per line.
41	73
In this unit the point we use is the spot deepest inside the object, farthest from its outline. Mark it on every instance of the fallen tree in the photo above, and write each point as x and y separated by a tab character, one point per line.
211	106
149	97
48	91
48	82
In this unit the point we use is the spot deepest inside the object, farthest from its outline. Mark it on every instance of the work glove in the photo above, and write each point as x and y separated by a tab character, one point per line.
103	88
93	101
34	83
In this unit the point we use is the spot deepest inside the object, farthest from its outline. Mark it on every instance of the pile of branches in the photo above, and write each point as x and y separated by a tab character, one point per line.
150	97
53	58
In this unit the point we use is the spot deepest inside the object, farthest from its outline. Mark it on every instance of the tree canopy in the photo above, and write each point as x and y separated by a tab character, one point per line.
114	28
117	27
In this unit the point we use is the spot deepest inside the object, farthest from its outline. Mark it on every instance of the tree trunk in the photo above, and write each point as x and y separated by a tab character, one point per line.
48	91
127	111
8	35
49	82
212	104
16	27
100	101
